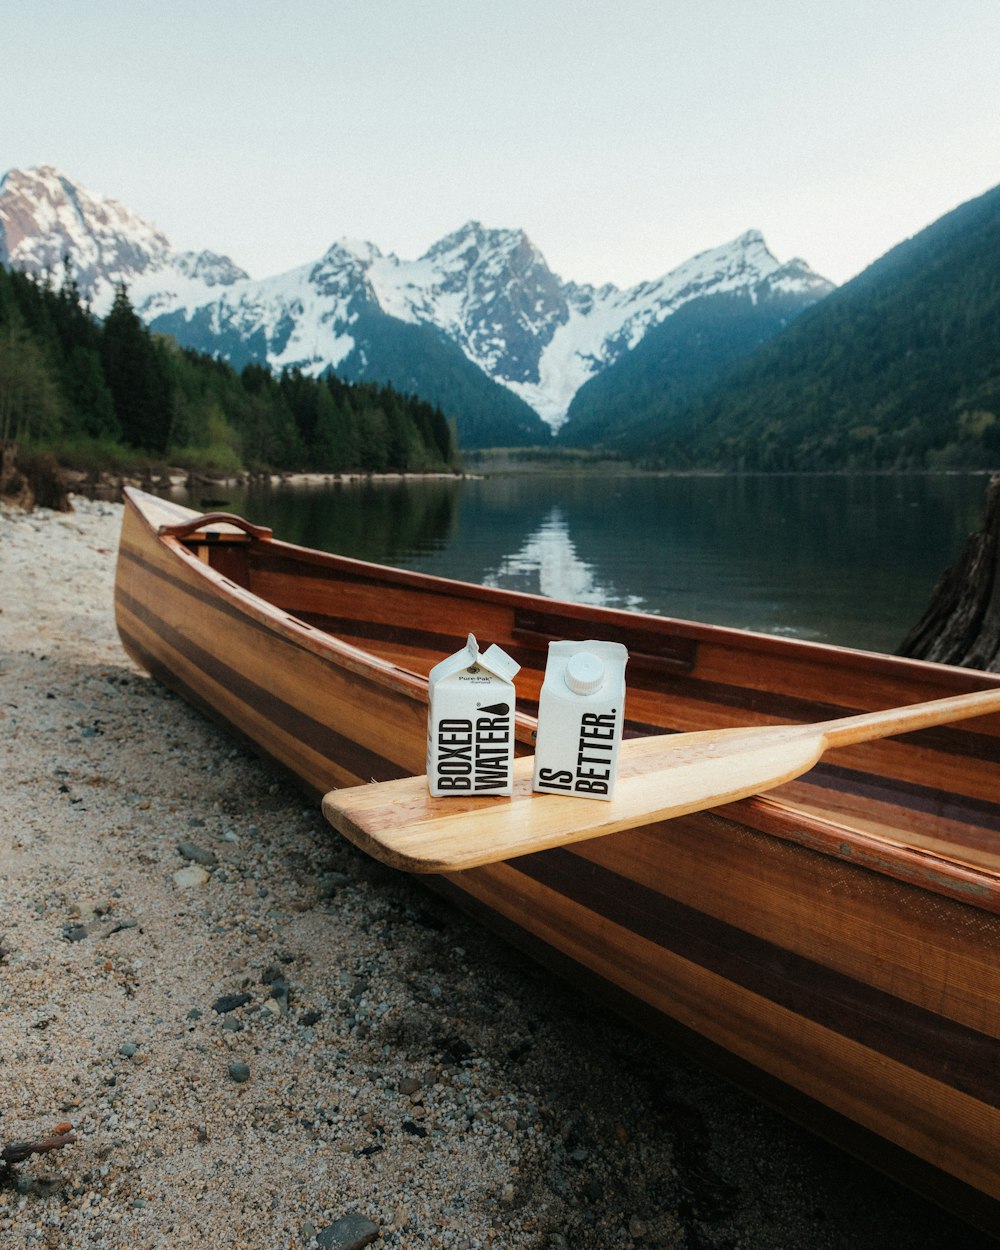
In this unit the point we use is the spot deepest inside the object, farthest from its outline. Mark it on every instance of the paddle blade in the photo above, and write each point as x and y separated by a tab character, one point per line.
658	778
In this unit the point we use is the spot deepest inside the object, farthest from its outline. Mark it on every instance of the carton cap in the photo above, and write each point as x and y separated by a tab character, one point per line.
584	673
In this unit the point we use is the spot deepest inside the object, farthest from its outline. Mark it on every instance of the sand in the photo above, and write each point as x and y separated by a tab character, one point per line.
262	1039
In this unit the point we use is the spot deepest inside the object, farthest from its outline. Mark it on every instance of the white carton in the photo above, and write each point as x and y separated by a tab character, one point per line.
470	722
580	715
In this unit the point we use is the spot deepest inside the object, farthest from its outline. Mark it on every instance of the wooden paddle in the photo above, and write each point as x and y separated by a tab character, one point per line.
658	777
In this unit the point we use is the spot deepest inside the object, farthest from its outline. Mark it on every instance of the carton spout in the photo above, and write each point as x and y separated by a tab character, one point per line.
584	673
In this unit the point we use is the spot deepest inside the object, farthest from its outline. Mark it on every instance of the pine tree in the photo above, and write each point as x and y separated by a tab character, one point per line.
30	406
136	377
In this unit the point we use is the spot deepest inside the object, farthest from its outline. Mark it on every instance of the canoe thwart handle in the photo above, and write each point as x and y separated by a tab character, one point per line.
186	528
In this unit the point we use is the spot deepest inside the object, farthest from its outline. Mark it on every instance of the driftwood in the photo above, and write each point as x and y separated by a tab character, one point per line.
962	622
18	1151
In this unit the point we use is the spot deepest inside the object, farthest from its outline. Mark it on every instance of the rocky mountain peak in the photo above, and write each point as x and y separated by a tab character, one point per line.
45	218
487	290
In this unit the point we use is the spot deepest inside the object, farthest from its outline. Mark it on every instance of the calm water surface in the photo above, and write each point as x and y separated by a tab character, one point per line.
848	560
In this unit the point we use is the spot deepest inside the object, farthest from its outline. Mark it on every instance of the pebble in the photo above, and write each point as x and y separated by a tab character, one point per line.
239	1072
350	1232
199	855
192	877
230	1002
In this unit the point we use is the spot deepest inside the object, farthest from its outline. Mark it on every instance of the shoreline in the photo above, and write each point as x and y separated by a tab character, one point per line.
108	485
262	1038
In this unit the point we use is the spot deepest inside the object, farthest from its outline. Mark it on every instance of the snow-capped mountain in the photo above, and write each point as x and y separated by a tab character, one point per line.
489	293
44	218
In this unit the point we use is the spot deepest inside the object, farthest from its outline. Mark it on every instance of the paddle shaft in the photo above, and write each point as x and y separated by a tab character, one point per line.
867	726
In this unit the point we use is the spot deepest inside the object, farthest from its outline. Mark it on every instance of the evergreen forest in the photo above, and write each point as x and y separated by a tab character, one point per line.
899	369
103	394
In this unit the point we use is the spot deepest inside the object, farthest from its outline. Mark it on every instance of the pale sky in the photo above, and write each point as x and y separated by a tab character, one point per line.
623	137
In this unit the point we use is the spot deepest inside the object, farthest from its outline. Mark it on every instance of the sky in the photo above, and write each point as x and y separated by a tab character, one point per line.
623	137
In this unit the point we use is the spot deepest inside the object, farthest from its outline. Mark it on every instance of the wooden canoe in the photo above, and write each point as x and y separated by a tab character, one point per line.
833	947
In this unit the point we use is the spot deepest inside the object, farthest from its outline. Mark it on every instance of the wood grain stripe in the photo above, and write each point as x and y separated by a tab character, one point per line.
813	1114
942	803
395	633
360	761
929	1043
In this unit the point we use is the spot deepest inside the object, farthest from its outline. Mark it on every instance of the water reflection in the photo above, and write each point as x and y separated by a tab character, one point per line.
850	560
386	522
547	563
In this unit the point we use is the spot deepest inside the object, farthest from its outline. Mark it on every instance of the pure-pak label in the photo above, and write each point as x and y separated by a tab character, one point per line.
470	724
580	716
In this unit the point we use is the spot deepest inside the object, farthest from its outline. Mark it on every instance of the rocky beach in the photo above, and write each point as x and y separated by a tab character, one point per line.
222	1026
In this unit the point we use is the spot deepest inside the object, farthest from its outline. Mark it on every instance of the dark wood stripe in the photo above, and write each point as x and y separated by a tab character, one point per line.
785	707
359	760
943	803
648	648
929	1043
395	633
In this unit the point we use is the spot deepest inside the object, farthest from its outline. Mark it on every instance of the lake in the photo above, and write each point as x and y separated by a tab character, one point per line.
842	559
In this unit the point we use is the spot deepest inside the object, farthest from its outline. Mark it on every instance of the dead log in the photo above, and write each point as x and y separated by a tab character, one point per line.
962	622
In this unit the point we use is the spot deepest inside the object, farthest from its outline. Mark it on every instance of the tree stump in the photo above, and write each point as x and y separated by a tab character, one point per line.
14	488
962	622
32	482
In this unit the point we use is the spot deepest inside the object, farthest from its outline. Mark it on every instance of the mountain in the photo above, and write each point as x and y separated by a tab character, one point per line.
898	368
45	218
330	315
684	355
480	302
478	325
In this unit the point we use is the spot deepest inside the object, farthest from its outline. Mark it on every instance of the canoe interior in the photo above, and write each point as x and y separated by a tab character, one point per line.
935	789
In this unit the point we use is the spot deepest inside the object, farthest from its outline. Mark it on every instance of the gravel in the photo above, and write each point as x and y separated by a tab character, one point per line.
262	1039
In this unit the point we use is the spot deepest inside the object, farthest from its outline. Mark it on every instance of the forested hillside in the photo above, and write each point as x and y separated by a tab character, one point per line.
899	368
675	363
103	392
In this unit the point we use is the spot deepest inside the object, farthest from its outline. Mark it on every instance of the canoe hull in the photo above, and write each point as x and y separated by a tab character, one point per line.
851	980
770	978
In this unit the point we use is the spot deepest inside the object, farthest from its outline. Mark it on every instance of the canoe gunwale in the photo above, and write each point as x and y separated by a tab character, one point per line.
913	865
